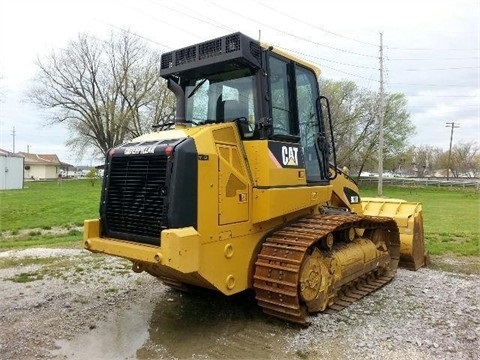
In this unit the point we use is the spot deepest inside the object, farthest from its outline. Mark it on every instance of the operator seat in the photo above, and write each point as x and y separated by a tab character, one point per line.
234	111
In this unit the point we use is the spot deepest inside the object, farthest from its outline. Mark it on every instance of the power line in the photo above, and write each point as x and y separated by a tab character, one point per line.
347	73
432	85
163	20
432	49
430	106
317	27
135	34
446	96
293	35
435	58
322	65
201	18
444	69
323	59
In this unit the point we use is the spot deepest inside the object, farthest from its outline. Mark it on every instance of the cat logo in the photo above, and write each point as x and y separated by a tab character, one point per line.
286	155
289	156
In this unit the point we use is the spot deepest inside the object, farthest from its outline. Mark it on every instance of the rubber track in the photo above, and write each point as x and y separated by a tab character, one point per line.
278	265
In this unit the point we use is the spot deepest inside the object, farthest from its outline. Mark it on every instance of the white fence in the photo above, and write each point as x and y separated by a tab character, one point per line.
426	182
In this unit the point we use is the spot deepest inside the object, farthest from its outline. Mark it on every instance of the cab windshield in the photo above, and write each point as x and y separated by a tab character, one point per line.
223	97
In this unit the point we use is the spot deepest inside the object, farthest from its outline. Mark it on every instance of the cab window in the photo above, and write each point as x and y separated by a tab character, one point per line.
223	97
280	96
316	162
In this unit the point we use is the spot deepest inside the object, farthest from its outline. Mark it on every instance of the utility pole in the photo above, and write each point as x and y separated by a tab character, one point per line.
381	112
453	126
13	135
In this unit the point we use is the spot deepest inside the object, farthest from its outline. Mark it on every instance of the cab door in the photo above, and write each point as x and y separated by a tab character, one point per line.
296	116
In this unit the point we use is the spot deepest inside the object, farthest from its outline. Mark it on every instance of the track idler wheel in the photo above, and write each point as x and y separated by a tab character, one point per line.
349	234
315	282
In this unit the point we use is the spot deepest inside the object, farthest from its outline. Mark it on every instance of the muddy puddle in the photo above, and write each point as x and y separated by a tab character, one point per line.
204	325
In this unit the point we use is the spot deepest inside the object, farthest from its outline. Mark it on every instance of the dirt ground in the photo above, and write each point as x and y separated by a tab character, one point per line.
70	304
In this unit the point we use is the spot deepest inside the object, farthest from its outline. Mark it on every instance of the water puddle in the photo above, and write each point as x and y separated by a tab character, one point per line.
203	325
118	337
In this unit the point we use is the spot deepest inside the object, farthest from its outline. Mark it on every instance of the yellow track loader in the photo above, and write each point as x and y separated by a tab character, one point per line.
242	191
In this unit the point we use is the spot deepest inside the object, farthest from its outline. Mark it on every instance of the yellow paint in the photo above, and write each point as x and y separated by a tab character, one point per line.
181	249
306	64
243	194
266	171
408	216
339	198
271	203
234	212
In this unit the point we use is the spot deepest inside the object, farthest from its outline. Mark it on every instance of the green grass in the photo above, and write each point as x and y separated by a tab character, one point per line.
7	262
61	268
26	277
68	240
48	204
451	217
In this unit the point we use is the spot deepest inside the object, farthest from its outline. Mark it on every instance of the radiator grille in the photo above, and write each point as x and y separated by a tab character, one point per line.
134	207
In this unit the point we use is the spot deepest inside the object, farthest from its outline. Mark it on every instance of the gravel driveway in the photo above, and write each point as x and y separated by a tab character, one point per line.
70	304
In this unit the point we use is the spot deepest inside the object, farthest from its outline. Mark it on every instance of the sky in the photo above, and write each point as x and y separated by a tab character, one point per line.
431	52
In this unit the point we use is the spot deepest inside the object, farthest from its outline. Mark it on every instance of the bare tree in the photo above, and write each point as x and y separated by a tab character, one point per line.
465	161
424	160
106	91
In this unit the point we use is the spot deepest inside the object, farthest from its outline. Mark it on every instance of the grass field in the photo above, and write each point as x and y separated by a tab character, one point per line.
451	217
47	205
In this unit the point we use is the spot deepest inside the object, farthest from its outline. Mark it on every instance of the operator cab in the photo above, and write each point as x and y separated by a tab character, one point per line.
270	95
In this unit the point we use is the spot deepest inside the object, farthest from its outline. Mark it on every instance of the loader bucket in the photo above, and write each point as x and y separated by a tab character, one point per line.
408	216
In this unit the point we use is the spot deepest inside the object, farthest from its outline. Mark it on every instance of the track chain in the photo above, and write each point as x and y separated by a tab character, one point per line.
279	262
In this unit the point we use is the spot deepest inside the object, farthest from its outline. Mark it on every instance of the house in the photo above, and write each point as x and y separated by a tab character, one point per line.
11	170
67	170
41	166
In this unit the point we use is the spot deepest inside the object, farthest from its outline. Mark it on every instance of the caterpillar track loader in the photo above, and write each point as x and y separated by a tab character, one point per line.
241	190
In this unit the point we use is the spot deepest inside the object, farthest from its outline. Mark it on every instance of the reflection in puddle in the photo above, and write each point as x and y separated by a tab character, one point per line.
201	325
118	337
210	325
